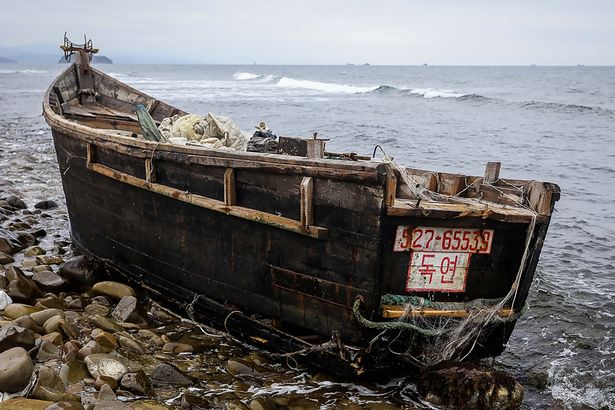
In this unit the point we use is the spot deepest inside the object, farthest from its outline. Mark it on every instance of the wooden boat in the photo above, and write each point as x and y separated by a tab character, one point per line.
302	254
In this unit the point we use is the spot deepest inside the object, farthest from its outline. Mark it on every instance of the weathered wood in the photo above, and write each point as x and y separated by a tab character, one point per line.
492	172
212	204
395	312
390	189
442	210
230	194
307	202
451	185
316	148
90	154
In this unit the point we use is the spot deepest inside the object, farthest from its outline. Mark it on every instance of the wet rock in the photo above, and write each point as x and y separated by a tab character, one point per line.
20	285
236	405
101	300
76	304
132	345
20	291
70	351
28	323
100	364
49	386
151	337
69	329
50	302
28	263
130	310
47	204
39	233
15	369
19	403
106	340
55	338
14	336
137	382
48	281
108	401
5	258
109	381
174	347
263	403
65	405
82	270
49	260
465	385
114	290
41	268
16	202
42	316
48	351
34	251
166	374
91	347
9	242
96	309
106	324
237	368
53	324
5	299
73	372
26	239
192	401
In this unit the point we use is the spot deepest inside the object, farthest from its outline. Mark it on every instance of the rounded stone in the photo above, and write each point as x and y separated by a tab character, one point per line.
42	316
100	364
15	369
15	310
48	280
112	289
73	372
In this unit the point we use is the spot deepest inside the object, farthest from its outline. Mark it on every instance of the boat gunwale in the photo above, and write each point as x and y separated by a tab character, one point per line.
367	171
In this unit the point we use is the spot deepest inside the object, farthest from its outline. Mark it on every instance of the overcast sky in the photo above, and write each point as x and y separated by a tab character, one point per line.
481	32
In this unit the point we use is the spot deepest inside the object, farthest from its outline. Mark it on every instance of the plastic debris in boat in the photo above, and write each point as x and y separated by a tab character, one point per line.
148	126
263	140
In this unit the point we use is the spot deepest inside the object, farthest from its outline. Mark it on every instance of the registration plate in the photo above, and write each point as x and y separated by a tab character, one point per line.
437	271
441	239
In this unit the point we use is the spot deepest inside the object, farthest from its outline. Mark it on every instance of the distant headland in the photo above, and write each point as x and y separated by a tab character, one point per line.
6	60
95	60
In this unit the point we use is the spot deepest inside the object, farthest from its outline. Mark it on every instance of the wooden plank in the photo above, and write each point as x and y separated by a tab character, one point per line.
456	210
492	172
451	185
315	148
214	205
307	202
230	193
395	312
390	189
90	150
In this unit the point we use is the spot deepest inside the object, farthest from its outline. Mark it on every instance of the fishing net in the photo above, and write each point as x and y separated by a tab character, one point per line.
211	131
445	330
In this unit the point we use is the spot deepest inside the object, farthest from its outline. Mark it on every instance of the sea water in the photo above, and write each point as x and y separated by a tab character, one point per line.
554	124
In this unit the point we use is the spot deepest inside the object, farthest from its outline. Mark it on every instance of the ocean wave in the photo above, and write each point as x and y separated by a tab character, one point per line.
26	71
428	93
288	82
566	108
246	76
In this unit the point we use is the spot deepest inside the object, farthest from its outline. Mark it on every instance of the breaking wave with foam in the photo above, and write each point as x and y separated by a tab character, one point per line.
27	71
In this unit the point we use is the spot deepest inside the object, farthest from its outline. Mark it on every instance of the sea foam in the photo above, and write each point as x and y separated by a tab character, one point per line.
287	82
